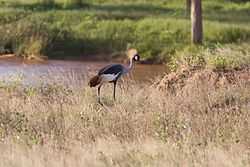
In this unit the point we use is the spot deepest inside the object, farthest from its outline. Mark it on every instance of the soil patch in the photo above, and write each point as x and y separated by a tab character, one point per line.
187	78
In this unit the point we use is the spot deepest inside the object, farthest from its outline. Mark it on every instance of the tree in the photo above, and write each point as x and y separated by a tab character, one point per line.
188	7
196	21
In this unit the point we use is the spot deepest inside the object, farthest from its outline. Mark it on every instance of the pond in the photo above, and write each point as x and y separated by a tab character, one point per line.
67	72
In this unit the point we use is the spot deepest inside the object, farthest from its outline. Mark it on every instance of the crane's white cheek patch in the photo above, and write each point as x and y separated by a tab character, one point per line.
109	77
137	58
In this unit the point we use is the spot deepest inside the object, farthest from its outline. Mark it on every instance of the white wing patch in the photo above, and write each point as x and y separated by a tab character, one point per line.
109	77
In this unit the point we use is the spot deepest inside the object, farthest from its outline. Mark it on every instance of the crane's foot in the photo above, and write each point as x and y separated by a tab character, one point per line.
99	101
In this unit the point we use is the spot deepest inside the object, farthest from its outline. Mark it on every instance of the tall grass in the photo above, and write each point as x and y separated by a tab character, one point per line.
158	29
201	125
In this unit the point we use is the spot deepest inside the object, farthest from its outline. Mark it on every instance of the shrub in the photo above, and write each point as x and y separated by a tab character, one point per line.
225	33
47	3
228	57
72	3
189	56
32	48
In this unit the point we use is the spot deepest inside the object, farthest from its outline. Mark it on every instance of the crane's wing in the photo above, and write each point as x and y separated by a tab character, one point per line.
111	69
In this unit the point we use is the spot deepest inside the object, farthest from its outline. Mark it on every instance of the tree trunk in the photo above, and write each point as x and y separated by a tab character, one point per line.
188	7
196	19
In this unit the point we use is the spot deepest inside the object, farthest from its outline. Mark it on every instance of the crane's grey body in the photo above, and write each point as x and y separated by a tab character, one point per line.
112	73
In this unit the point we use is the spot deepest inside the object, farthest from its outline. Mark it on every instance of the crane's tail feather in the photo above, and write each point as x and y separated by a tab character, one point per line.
94	81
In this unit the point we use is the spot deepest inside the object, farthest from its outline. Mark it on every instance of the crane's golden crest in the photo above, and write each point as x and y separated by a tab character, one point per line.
133	54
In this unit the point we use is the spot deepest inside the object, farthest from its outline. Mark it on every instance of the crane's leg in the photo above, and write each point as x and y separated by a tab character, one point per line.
114	89
99	93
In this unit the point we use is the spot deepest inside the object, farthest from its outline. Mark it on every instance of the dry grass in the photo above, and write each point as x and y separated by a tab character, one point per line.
55	125
114	153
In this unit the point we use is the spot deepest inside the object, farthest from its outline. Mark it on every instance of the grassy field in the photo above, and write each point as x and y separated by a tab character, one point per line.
159	29
58	125
203	121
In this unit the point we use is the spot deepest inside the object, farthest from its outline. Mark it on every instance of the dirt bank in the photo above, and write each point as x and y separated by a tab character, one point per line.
188	78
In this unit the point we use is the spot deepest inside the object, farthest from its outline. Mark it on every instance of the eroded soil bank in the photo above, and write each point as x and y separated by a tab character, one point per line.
186	78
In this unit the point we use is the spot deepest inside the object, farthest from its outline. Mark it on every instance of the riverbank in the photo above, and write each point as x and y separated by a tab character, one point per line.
159	30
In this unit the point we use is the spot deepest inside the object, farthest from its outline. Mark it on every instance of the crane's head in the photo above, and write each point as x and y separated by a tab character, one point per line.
133	54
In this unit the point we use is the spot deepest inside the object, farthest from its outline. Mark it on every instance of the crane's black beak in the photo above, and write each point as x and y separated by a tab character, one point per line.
136	57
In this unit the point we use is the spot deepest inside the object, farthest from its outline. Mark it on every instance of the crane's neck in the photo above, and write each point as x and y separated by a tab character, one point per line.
130	66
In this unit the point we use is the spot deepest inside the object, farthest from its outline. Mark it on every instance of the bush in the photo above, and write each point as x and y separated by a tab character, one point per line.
32	48
227	34
159	42
47	2
228	57
72	3
190	56
238	0
219	57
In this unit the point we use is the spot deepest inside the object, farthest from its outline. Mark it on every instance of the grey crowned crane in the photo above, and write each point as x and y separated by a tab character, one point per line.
111	73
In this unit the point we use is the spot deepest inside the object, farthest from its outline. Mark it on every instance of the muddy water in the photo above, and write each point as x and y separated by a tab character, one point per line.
67	72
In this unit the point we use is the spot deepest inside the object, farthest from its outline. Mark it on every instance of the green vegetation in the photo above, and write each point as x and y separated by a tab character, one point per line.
218	57
159	29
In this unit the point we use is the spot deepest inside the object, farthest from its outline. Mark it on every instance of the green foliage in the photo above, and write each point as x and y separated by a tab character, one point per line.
226	33
27	37
189	56
47	3
228	57
72	3
220	57
158	29
238	0
162	40
32	48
